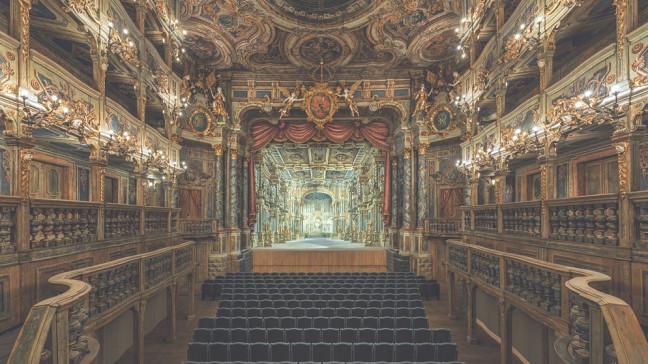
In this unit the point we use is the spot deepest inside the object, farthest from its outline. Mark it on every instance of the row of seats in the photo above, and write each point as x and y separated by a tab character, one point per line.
340	351
313	335
316	311
413	303
413	296
318	274
319	322
327	362
312	290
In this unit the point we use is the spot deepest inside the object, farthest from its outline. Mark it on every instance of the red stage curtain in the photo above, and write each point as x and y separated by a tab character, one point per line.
375	132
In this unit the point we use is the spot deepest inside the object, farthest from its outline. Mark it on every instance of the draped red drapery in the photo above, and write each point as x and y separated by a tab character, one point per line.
375	132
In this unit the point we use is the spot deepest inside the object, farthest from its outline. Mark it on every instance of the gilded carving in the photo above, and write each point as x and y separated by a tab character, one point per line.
643	159
622	153
6	165
25	167
513	47
102	184
87	7
407	153
621	6
233	154
25	8
481	80
422	148
218	149
543	181
541	66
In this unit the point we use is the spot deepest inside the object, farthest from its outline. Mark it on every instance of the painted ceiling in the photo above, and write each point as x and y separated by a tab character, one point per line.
292	35
319	163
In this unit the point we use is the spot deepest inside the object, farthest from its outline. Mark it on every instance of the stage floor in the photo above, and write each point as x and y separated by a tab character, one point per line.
317	243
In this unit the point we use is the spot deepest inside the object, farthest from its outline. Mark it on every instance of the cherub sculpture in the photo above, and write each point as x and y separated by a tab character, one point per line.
290	99
347	96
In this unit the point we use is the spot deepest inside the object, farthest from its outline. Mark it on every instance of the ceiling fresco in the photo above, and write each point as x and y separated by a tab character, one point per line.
317	163
295	35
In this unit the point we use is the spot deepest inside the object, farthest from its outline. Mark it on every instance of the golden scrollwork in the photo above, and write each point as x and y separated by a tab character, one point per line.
200	122
621	6
218	149
25	8
25	156
102	184
513	47
481	80
543	181
87	7
643	159
498	190
542	63
407	153
622	153
320	104
440	119
233	154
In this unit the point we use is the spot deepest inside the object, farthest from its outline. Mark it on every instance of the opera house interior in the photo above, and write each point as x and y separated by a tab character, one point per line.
319	181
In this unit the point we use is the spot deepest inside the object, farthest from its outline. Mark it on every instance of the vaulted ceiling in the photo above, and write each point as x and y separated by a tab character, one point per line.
291	36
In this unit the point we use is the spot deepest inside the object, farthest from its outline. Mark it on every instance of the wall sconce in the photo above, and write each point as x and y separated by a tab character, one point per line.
177	110
121	145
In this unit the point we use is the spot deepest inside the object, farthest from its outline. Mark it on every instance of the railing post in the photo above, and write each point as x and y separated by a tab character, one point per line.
191	298
505	332
142	227
471	312
172	293
452	287
596	335
60	338
139	311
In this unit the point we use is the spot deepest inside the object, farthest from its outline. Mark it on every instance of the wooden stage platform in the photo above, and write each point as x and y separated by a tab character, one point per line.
330	260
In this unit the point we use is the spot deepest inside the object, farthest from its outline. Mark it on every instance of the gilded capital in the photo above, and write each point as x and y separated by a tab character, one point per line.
218	149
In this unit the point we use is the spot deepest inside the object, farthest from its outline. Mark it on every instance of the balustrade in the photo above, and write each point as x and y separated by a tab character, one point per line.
467	218
535	285
92	293
442	226
486	218
197	226
57	223
122	221
602	328
458	257
522	219
156	220
582	220
8	211
640	203
485	267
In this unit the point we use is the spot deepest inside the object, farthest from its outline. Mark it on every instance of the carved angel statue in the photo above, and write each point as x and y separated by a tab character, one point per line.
421	97
218	105
291	98
347	96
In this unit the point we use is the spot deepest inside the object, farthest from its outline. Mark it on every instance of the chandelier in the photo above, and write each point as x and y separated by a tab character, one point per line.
122	145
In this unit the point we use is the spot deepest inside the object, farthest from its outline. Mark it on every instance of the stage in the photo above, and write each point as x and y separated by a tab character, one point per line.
319	255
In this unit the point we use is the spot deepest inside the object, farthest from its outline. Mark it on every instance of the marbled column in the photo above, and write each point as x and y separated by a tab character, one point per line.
407	188
395	192
219	192
422	200
233	200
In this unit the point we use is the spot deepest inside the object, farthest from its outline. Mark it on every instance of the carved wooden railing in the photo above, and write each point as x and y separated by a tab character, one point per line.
587	219
522	218
602	328
441	226
62	222
156	220
640	202
193	227
9	207
122	221
485	218
94	294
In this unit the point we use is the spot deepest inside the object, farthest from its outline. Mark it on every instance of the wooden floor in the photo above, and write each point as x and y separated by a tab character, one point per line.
159	351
